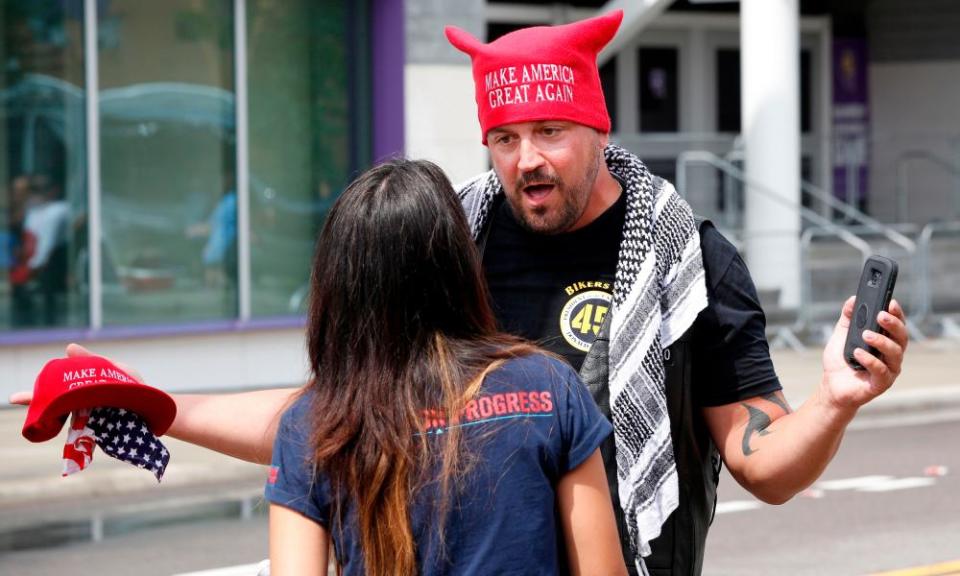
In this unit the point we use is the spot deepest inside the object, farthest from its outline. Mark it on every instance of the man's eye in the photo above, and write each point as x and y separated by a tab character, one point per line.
551	130
502	140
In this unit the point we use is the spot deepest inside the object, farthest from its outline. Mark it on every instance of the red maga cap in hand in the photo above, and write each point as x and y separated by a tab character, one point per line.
540	73
68	384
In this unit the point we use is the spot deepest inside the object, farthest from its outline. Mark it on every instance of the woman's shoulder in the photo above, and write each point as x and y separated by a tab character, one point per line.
295	417
538	368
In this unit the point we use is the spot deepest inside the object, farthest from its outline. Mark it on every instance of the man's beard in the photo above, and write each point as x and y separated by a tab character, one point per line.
573	200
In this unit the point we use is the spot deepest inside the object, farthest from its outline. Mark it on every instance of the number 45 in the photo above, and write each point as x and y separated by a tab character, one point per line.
589	318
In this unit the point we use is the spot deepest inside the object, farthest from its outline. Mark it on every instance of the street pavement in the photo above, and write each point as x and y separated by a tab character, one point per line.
39	508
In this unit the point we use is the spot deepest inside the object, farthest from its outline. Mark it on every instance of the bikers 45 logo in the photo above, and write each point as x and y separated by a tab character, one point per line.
583	314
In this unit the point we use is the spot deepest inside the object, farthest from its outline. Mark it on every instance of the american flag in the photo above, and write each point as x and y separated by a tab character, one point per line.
121	434
78	451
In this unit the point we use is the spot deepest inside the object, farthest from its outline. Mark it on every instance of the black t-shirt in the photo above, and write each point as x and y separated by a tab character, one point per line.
556	290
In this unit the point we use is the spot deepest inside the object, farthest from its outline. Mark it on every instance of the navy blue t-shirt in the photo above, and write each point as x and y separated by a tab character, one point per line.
532	422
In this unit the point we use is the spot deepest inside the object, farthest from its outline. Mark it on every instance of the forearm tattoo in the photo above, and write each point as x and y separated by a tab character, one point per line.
758	423
760	420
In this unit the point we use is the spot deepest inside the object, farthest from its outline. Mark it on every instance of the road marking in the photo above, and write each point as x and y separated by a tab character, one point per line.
875	483
239	570
899	484
942	569
736	506
858	483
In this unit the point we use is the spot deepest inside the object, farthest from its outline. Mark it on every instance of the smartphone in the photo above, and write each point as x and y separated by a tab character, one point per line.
873	295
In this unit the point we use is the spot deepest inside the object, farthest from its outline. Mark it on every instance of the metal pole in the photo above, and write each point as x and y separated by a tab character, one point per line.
852	181
902	190
681	176
956	178
243	159
92	100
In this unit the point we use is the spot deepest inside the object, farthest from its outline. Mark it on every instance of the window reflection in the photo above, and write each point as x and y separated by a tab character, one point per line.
300	139
167	136
168	169
43	200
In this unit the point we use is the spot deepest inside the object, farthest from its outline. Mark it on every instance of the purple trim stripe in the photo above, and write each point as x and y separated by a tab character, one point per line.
28	337
388	54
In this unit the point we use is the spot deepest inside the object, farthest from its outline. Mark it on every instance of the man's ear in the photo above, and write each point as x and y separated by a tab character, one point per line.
604	139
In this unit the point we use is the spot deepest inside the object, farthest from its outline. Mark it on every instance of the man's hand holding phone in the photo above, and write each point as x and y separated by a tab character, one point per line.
865	352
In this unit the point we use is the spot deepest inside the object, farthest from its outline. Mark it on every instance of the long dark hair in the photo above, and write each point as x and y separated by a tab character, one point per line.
399	323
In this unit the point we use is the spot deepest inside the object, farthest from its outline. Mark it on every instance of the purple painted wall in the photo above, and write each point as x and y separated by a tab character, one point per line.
388	54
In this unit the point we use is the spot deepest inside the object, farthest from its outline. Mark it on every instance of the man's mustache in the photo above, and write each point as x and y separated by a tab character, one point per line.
537	177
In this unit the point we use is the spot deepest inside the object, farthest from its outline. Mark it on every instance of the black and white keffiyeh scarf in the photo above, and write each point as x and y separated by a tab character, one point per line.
658	291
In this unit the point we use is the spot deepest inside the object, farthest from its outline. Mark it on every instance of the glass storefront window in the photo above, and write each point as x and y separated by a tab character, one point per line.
166	97
658	89
167	137
42	165
728	91
300	71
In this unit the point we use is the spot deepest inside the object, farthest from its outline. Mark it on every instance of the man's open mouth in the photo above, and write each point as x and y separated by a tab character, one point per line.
538	192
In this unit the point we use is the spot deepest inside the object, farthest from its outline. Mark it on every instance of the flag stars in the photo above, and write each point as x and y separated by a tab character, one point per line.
125	436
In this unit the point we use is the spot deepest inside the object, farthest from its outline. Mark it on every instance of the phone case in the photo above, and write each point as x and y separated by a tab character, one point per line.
873	295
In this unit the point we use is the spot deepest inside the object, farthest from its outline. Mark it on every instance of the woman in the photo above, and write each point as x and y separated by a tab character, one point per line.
427	442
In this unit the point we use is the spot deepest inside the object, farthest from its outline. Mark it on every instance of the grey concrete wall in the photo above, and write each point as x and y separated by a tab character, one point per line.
912	30
914	88
913	107
425	20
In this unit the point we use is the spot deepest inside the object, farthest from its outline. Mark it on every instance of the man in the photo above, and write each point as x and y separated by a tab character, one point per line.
602	262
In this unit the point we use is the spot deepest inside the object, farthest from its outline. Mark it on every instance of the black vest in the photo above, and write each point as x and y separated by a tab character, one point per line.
678	551
679	548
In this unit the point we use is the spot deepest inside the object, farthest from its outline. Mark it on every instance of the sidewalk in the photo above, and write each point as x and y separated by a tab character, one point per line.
39	508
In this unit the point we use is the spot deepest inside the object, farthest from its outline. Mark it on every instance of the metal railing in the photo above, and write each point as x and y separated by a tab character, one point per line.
852	213
822	226
696	156
806	314
924	309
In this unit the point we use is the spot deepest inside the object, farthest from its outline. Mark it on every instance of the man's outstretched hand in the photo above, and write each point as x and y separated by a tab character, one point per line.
23	397
848	388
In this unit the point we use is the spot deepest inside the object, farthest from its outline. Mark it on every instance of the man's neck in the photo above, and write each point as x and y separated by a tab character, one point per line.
606	191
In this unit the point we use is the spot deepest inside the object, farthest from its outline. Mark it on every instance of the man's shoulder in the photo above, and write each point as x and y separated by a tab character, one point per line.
717	250
474	185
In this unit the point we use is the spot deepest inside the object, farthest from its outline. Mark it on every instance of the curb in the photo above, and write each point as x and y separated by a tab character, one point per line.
58	528
910	408
914	400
